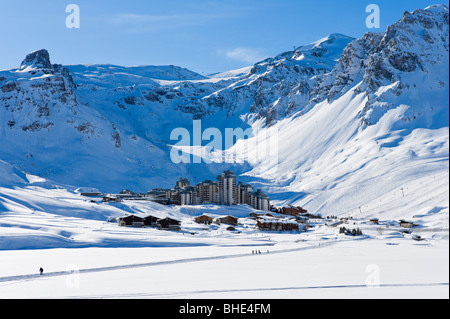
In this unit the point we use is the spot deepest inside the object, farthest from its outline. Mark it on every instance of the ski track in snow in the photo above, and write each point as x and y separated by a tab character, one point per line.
158	263
10	280
200	292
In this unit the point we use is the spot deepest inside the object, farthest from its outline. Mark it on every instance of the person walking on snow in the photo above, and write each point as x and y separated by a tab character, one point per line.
41	270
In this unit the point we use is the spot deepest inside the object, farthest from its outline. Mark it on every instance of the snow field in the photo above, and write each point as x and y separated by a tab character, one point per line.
341	270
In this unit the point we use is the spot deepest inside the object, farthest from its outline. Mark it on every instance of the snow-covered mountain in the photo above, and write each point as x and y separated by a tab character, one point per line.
53	127
279	86
381	125
97	110
358	119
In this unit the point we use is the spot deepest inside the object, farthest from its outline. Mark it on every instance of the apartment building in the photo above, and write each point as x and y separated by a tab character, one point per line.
224	192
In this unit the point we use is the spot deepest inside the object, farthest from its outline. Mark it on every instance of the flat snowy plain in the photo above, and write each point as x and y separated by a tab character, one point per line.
338	269
108	261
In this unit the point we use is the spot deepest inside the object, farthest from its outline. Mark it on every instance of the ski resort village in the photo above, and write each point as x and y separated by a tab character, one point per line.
255	211
223	192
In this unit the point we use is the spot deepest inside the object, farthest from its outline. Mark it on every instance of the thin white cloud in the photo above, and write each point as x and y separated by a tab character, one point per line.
242	54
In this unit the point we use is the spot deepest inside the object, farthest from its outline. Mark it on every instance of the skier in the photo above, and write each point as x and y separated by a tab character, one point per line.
41	270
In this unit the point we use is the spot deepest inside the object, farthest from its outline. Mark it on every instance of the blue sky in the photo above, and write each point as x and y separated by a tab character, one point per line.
205	36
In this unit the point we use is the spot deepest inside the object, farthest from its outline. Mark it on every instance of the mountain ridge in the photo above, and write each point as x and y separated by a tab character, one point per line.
108	126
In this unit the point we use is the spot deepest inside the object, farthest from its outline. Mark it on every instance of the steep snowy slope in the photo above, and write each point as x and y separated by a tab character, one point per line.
10	176
381	130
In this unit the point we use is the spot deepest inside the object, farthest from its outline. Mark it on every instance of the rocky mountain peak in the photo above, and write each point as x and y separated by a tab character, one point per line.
39	59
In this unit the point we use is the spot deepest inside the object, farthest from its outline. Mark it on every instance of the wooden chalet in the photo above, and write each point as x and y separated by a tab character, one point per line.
228	220
406	224
110	198
91	194
277	225
204	219
254	215
131	220
301	219
151	221
291	210
169	223
312	216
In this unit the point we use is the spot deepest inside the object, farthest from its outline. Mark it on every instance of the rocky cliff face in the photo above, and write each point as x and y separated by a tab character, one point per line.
277	87
405	65
293	82
36	60
38	92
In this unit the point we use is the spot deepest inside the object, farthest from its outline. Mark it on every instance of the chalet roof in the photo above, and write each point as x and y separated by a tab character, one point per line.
169	220
226	216
407	222
204	215
151	217
132	218
109	196
277	221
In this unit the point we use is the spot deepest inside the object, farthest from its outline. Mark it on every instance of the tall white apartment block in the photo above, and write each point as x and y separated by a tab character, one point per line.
243	193
227	188
208	192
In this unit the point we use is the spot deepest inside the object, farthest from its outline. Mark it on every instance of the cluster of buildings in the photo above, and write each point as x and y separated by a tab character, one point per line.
162	223
224	191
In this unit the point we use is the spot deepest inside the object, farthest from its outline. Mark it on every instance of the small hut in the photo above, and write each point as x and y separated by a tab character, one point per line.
204	219
228	220
277	225
110	198
131	220
254	215
151	221
406	224
169	223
